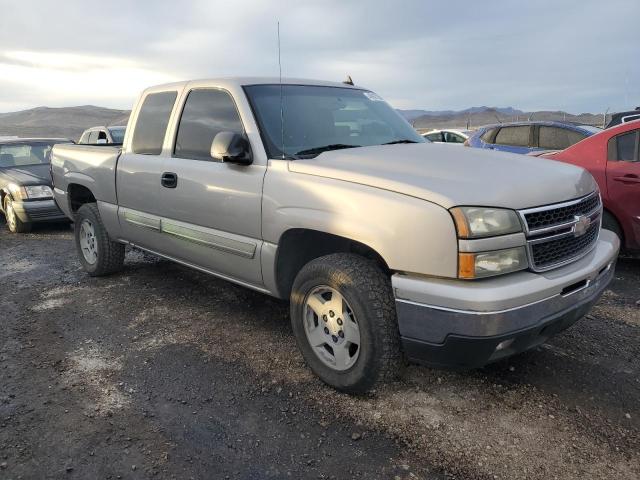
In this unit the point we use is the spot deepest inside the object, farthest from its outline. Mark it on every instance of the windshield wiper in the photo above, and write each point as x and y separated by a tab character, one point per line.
404	140
325	148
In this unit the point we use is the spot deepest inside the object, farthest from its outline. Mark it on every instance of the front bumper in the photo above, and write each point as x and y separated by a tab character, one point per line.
38	211
468	324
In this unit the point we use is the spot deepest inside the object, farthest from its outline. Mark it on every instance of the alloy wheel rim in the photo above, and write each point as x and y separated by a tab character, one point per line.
88	242
11	217
331	328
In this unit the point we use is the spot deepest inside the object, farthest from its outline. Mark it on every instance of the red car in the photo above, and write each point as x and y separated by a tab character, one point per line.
613	158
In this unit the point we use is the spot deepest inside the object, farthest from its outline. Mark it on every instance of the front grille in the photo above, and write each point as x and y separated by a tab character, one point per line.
561	233
557	216
552	252
44	213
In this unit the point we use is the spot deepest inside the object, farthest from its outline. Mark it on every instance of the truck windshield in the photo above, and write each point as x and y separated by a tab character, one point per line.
315	119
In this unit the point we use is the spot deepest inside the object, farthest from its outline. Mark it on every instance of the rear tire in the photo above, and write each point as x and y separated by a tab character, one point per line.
14	224
367	298
98	254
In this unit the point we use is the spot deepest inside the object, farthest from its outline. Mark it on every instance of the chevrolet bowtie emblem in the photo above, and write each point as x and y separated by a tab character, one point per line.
581	226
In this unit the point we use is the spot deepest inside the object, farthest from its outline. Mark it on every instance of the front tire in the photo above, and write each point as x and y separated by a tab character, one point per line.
14	224
98	254
609	222
344	319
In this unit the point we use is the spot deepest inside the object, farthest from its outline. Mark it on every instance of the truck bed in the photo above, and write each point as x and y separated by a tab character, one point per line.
84	164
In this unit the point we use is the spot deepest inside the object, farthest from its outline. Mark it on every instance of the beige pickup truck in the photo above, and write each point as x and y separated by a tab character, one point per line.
388	247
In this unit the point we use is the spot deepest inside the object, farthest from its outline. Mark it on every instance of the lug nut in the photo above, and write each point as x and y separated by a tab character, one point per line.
324	317
331	314
339	321
335	339
341	333
326	330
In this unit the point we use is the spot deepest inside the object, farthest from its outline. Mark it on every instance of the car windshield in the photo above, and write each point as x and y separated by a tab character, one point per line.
21	154
314	119
117	133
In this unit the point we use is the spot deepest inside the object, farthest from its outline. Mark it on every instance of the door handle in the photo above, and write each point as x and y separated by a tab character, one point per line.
169	180
629	178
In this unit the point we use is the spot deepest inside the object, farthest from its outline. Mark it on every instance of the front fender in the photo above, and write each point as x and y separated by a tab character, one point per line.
410	234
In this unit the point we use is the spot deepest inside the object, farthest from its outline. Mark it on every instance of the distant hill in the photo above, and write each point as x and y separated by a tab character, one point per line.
70	122
477	116
67	122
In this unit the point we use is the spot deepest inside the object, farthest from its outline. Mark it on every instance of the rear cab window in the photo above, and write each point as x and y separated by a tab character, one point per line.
151	125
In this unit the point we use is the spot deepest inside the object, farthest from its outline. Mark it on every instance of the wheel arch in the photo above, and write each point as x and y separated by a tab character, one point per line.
298	246
614	217
78	195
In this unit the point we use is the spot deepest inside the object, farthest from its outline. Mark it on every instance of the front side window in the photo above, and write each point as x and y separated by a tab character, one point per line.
434	137
151	126
487	137
451	137
15	155
93	138
513	136
319	118
206	113
84	139
630	118
555	138
624	147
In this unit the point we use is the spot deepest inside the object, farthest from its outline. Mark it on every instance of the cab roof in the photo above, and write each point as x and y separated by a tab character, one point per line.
246	81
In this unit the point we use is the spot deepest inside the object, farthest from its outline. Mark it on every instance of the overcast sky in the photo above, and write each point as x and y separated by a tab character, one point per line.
573	55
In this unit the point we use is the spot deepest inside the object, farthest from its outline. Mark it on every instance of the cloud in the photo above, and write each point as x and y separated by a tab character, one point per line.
573	55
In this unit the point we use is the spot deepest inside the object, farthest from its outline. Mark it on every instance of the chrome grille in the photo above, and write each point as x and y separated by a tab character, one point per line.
561	233
555	216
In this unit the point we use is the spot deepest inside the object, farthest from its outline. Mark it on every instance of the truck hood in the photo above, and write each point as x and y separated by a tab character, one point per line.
453	176
27	174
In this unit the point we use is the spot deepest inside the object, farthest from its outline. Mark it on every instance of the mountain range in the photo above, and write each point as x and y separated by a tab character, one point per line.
70	122
475	117
67	122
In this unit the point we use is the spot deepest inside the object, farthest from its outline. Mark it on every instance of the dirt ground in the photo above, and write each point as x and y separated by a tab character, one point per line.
164	372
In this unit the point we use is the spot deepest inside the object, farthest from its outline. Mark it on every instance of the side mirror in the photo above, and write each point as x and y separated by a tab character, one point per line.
231	147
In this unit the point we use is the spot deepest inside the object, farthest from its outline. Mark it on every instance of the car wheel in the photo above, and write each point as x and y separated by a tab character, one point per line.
98	254
609	222
344	320
14	224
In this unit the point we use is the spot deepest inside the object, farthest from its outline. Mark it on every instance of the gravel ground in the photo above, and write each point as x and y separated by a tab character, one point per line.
163	372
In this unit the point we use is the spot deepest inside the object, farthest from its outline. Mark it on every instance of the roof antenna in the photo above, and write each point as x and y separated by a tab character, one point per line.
281	99
348	81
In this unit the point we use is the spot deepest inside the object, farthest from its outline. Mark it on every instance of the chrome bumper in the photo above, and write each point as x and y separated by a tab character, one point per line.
438	315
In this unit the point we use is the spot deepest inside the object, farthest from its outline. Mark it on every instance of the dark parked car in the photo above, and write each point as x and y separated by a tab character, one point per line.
25	182
624	117
525	137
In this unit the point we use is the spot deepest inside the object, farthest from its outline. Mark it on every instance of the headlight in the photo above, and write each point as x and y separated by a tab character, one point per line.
39	191
17	192
476	222
487	264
